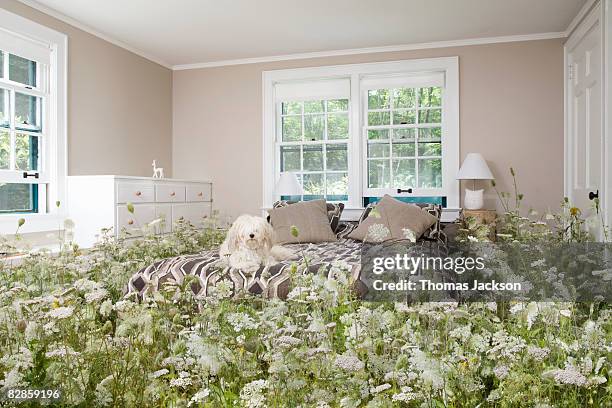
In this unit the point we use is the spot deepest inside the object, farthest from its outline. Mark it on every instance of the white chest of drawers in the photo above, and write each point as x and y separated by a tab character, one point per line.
97	202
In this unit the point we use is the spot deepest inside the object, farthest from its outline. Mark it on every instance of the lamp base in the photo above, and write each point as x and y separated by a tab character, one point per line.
473	199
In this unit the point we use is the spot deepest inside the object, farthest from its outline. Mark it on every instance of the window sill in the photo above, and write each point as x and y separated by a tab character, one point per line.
33	223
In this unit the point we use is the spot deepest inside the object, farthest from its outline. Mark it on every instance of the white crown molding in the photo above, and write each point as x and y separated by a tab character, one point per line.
69	20
586	8
316	54
372	50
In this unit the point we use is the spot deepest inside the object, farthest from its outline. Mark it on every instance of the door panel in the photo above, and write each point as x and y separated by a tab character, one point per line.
584	110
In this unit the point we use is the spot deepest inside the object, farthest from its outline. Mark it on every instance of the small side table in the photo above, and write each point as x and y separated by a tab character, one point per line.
486	217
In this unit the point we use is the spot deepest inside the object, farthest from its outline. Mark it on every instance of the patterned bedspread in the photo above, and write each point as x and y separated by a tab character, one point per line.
273	282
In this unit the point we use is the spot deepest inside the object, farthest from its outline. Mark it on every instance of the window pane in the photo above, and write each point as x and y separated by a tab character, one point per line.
430	133
292	128
292	108
430	96
337	187
314	106
5	149
378	99
4	107
313	186
404	98
430	116
1	64
403	173
17	198
430	149
378	149
337	126
313	158
378	173
379	118
336	105
27	112
314	127
378	134
337	157
430	173
403	134
404	117
26	152
404	149
290	158
22	70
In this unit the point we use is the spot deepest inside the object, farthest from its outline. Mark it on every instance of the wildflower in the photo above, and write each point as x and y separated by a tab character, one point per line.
409	234
569	375
199	397
241	321
405	395
60	313
537	353
378	232
106	308
349	362
501	371
380	388
159	373
574	211
96	295
180	382
252	394
62	351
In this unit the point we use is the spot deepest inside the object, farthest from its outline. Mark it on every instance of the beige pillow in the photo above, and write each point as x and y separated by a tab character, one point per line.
391	218
309	217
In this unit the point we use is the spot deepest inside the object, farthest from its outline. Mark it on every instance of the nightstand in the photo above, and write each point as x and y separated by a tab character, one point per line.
486	217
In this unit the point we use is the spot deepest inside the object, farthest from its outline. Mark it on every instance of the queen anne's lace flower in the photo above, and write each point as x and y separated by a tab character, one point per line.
349	362
378	232
60	313
252	394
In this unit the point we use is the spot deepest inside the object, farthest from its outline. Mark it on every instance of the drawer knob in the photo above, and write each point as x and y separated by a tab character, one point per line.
130	222
172	194
138	193
200	194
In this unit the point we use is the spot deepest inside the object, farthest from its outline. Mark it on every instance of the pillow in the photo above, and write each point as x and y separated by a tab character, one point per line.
310	218
334	212
392	218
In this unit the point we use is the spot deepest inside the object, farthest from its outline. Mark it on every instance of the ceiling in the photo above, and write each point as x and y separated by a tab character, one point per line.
178	32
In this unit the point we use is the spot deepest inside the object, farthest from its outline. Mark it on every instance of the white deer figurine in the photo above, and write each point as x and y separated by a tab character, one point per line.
158	172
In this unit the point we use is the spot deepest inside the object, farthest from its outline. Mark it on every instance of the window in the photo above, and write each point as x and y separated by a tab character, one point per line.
404	139
22	102
32	122
353	133
314	144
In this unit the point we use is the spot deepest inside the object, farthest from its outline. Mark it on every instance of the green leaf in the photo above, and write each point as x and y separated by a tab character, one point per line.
295	232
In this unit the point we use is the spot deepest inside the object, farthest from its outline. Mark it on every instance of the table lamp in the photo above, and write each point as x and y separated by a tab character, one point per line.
288	185
474	168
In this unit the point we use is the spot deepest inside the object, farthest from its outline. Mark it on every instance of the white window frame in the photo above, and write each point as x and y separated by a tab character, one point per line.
449	66
54	148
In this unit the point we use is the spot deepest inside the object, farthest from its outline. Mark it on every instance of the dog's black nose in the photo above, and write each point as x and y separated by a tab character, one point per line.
252	235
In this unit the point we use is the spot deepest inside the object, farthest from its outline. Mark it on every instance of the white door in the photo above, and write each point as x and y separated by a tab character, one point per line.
584	144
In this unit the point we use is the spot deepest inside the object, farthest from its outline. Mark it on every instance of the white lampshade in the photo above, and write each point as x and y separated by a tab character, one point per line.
474	167
288	184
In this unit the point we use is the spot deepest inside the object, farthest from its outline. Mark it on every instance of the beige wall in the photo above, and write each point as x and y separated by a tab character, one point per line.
511	103
119	104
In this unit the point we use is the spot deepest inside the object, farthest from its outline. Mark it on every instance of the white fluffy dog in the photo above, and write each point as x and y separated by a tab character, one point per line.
248	245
